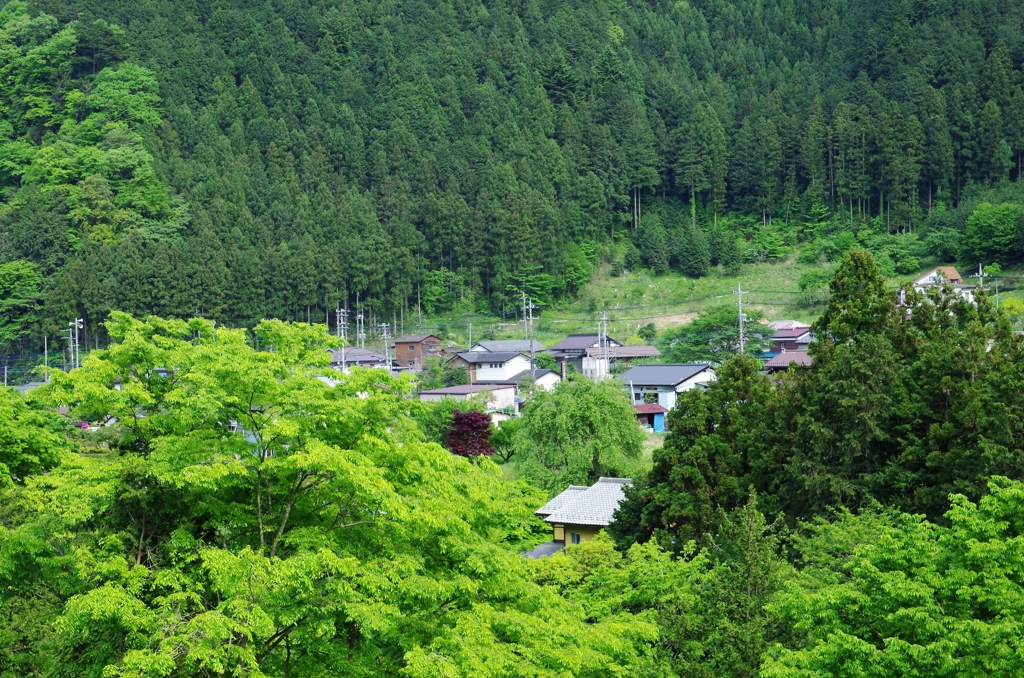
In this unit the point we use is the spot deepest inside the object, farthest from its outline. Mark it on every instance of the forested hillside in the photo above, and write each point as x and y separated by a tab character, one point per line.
252	160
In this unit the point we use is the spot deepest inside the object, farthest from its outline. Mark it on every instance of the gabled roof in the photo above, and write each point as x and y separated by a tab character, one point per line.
578	342
466	389
474	357
662	375
948	272
356	356
593	506
505	345
787	358
649	408
415	338
792	333
624	352
788	325
556	503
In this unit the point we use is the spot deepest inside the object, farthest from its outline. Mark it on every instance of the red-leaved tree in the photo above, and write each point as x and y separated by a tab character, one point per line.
469	433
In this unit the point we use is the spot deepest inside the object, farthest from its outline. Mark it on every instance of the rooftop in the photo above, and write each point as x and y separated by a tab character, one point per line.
621	352
415	338
475	357
662	375
948	272
505	345
579	342
354	356
787	358
791	333
595	505
466	389
649	408
788	325
556	503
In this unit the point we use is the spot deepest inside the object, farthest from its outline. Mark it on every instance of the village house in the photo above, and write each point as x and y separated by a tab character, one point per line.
660	384
542	379
793	339
491	367
573	349
500	396
357	357
508	345
579	513
782	361
412	349
942	275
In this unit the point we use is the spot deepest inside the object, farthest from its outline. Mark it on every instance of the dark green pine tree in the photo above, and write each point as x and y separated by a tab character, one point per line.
653	243
694	255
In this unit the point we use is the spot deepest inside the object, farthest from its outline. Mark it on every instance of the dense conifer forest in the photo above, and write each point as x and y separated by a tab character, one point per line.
249	160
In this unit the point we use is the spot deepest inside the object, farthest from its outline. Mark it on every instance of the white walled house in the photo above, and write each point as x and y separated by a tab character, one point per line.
663	383
508	346
492	367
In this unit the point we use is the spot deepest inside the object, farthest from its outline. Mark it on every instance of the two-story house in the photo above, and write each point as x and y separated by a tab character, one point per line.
492	367
579	512
412	349
793	339
574	349
662	383
508	346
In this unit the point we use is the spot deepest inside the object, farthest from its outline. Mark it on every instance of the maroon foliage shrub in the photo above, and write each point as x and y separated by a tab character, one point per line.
469	433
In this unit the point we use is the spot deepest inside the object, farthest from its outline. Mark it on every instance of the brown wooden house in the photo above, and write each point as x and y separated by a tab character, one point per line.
412	349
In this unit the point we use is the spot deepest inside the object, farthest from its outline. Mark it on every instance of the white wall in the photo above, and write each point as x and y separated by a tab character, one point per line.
702	380
501	397
548	381
506	370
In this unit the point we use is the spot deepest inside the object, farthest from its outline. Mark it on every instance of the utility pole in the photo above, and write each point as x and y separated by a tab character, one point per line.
341	319
528	322
743	316
602	342
470	337
387	350
46	360
360	331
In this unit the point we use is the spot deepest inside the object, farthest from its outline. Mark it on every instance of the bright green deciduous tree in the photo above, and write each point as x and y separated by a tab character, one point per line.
19	298
247	518
991	233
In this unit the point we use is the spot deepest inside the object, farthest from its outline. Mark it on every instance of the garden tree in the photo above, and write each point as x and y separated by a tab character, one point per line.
991	233
435	418
897	604
703	469
503	440
438	373
648	332
324	533
713	336
19	298
577	432
469	434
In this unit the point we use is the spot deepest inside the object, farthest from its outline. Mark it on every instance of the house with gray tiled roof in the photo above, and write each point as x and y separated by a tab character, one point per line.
580	512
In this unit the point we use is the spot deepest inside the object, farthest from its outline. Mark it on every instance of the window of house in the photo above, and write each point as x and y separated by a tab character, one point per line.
412	348
494	366
638	396
650	398
412	363
575	537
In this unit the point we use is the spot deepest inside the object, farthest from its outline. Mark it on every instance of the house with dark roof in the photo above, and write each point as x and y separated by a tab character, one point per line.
783	361
792	339
491	367
412	349
508	345
651	416
580	512
662	383
357	357
573	349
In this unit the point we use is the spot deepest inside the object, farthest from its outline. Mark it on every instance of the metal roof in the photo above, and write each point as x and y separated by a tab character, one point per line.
484	357
594	506
624	352
579	342
792	333
504	345
661	375
355	356
649	408
415	338
787	358
466	389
